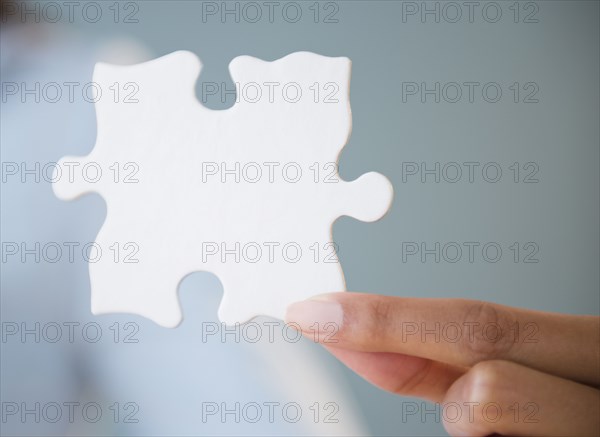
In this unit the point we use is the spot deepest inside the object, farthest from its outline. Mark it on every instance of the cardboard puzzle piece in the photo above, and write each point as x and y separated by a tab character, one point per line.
249	193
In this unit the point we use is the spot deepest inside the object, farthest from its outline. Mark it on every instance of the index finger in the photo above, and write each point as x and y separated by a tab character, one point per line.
456	331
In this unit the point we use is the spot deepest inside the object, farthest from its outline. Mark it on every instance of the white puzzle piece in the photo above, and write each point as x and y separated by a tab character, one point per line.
168	175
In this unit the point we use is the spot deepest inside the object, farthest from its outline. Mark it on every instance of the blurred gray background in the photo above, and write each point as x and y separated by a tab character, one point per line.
545	217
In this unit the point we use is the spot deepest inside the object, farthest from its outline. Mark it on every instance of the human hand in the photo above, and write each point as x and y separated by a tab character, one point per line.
497	369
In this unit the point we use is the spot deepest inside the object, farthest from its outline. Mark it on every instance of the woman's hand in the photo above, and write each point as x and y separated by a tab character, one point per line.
494	369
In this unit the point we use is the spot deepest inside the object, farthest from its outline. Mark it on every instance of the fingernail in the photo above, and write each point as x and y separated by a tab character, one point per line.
315	315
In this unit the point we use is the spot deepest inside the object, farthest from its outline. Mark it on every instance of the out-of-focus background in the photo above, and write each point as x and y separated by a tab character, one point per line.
484	115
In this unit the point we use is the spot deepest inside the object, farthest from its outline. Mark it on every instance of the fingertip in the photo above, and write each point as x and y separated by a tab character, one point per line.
316	314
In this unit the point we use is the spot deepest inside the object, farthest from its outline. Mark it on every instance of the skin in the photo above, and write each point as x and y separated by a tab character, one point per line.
540	370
